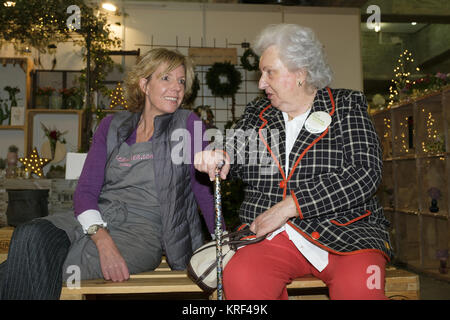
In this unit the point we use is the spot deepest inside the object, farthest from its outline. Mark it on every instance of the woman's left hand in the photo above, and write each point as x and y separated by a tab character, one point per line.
274	218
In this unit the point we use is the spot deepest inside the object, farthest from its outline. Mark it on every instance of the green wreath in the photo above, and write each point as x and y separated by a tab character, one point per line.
227	88
246	63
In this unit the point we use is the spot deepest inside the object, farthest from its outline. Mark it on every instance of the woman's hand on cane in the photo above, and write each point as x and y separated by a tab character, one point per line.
209	161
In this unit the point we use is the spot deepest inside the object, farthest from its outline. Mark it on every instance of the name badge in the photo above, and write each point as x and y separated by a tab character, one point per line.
318	122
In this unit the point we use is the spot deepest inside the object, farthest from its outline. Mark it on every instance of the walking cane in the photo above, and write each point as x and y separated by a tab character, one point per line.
218	231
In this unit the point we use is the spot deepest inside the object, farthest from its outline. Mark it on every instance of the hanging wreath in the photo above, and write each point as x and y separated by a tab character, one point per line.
190	99
223	79
246	64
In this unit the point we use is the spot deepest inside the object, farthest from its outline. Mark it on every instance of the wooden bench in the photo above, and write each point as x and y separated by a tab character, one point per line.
400	284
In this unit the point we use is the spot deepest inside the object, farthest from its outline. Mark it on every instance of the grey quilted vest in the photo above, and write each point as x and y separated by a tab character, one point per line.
182	231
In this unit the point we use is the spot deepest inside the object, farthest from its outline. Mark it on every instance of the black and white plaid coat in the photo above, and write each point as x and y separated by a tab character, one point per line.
335	176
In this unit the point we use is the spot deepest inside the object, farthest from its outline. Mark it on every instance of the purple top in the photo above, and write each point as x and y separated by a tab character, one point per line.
92	176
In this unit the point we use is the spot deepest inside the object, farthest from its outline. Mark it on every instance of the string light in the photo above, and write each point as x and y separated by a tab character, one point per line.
401	75
434	141
403	137
117	98
34	163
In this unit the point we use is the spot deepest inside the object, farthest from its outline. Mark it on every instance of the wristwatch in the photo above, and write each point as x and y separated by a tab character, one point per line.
94	228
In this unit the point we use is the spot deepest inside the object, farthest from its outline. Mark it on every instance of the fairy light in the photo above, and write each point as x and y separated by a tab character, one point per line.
403	138
401	75
432	139
117	98
34	163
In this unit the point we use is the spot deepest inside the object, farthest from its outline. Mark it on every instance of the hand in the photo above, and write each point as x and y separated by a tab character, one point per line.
208	161
112	263
274	218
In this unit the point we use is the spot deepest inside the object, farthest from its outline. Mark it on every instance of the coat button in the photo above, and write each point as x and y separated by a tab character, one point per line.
315	235
283	184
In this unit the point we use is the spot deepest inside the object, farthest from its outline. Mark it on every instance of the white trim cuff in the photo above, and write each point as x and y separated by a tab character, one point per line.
89	218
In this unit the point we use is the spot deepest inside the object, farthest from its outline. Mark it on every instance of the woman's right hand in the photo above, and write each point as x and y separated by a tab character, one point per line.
209	161
112	263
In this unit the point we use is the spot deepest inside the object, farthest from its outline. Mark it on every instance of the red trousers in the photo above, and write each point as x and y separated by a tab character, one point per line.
262	271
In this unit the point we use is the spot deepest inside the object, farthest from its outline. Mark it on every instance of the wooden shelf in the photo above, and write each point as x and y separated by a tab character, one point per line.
402	104
29	120
413	157
408	176
11	127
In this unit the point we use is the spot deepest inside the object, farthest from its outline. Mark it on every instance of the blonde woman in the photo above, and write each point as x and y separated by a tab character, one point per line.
132	202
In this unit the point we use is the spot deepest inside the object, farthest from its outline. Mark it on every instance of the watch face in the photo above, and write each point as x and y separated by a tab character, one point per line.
93	229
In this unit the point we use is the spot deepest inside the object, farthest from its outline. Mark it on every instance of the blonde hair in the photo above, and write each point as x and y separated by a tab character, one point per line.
145	68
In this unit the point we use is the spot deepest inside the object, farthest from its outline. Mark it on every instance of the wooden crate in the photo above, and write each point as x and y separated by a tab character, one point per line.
415	136
5	237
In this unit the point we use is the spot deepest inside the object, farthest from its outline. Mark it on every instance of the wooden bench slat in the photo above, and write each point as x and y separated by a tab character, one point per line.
135	285
306	282
159	274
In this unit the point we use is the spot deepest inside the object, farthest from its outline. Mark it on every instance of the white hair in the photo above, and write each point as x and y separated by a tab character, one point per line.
298	48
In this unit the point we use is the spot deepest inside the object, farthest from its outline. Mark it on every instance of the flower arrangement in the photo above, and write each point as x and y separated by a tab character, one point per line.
71	98
67	92
426	84
53	136
45	91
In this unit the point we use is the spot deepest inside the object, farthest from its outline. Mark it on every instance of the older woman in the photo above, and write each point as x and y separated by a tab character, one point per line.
317	207
132	202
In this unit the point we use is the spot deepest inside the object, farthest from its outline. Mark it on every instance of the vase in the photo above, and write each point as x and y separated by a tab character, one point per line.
42	101
434	208
12	159
55	101
52	147
74	102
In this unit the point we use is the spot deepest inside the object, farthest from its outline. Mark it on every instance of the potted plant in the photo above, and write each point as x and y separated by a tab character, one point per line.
12	91
71	98
11	161
5	111
43	97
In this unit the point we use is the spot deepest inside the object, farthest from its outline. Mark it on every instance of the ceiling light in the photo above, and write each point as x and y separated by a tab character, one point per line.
109	6
413	23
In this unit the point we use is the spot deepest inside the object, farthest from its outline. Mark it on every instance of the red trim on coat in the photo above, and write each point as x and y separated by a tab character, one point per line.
334	251
268	148
296	204
368	213
284	185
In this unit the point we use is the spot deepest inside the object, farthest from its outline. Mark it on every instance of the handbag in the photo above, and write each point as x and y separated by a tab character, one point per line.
202	267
